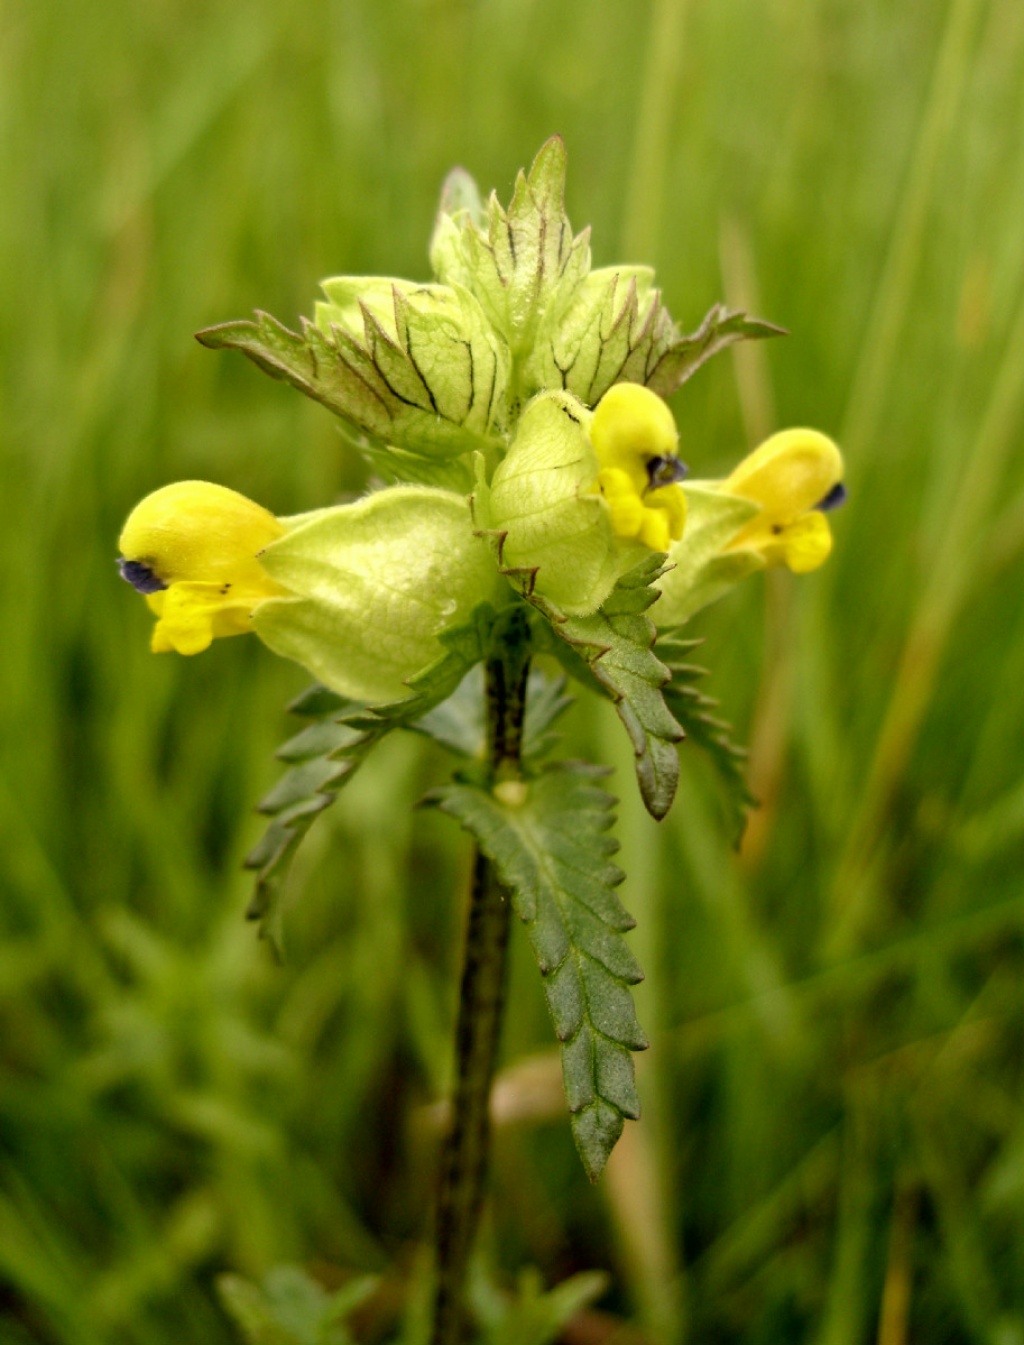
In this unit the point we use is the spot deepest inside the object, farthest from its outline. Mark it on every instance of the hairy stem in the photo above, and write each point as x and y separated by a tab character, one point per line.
481	1000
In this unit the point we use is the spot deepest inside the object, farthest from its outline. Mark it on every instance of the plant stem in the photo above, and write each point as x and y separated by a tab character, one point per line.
481	1001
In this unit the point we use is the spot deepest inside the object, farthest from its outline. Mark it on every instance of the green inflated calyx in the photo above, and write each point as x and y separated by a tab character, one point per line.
360	594
374	585
581	497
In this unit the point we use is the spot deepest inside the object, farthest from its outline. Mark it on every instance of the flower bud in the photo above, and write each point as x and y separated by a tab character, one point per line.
581	496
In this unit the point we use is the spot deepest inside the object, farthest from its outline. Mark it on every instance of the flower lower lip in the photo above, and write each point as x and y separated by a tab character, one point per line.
140	576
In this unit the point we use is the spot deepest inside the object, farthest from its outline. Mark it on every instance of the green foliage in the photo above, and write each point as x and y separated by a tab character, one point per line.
565	325
321	759
533	1315
458	723
615	648
695	713
433	387
682	356
825	1123
438	371
326	754
291	1308
548	841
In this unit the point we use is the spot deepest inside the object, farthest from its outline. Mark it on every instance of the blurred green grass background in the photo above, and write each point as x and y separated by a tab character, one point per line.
833	1142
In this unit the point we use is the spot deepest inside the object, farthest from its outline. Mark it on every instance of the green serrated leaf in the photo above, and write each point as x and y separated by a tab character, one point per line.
596	1130
422	371
523	264
615	329
317	701
328	752
323	758
695	711
546	702
316	740
615	645
458	722
551	851
678	357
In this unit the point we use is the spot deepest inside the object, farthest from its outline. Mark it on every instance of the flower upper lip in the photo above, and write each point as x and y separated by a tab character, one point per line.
835	497
140	576
667	471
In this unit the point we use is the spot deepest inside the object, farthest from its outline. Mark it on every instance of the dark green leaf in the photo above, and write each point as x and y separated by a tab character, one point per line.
551	850
546	702
434	387
695	712
327	753
682	356
322	758
615	645
458	723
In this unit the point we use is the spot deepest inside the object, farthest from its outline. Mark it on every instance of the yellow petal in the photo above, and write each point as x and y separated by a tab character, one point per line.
654	530
624	503
198	544
196	530
193	614
802	546
789	474
671	501
631	425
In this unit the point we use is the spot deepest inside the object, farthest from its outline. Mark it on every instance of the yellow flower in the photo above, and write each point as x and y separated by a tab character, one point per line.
769	511
192	549
636	442
359	593
793	476
581	495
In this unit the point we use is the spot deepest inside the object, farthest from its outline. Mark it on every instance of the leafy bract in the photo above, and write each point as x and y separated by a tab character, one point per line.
682	355
616	330
612	649
330	749
695	712
437	370
523	264
414	366
567	326
550	848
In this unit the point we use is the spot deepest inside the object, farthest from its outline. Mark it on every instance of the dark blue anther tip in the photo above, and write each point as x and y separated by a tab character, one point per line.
140	576
664	472
835	497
